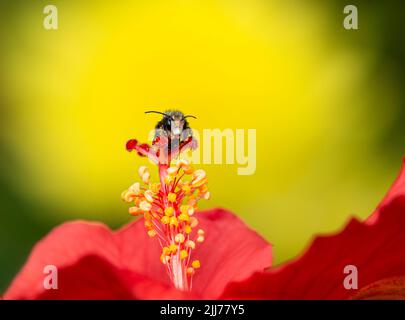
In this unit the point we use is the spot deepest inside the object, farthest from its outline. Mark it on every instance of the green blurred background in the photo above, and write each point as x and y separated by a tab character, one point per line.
328	105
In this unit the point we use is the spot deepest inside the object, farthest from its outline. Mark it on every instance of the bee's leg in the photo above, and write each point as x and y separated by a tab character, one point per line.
189	143
161	148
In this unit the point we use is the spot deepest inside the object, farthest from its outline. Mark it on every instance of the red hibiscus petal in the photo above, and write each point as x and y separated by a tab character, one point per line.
89	266
95	278
376	247
397	189
62	247
94	262
231	252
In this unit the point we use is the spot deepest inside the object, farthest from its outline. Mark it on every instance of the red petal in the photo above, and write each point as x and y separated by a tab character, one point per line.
95	278
231	252
89	261
397	189
376	247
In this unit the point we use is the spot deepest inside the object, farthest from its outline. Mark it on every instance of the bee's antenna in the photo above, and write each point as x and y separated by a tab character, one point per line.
189	116
157	112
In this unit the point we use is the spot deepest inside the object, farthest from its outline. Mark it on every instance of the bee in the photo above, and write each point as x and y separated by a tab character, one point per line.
173	130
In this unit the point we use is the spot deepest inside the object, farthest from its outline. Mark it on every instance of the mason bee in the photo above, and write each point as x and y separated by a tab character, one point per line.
173	129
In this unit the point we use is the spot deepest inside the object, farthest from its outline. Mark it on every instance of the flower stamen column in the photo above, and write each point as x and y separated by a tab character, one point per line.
168	208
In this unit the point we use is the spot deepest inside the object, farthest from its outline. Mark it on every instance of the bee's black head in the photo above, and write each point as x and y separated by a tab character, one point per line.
173	122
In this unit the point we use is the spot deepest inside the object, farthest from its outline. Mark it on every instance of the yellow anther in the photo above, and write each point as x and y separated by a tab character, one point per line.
164	258
168	180
204	188
134	211
142	170
146	177
135	188
200	232
183	217
193	222
145	206
123	193
190	271
182	163
151	233
148	224
192	201
173	248
183	254
128	196
200	239
147	216
165	250
187	209
172	171
199	174
137	201
184	208
198	183
169	211
196	264
155	187
179	238
190	244
186	189
188	170
165	220
174	222
207	195
171	197
187	229
149	195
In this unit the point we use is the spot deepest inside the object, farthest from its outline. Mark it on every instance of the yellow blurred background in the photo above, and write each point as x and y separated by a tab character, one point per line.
325	102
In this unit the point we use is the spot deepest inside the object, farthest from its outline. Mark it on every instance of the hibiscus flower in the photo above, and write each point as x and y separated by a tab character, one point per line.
186	254
173	259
